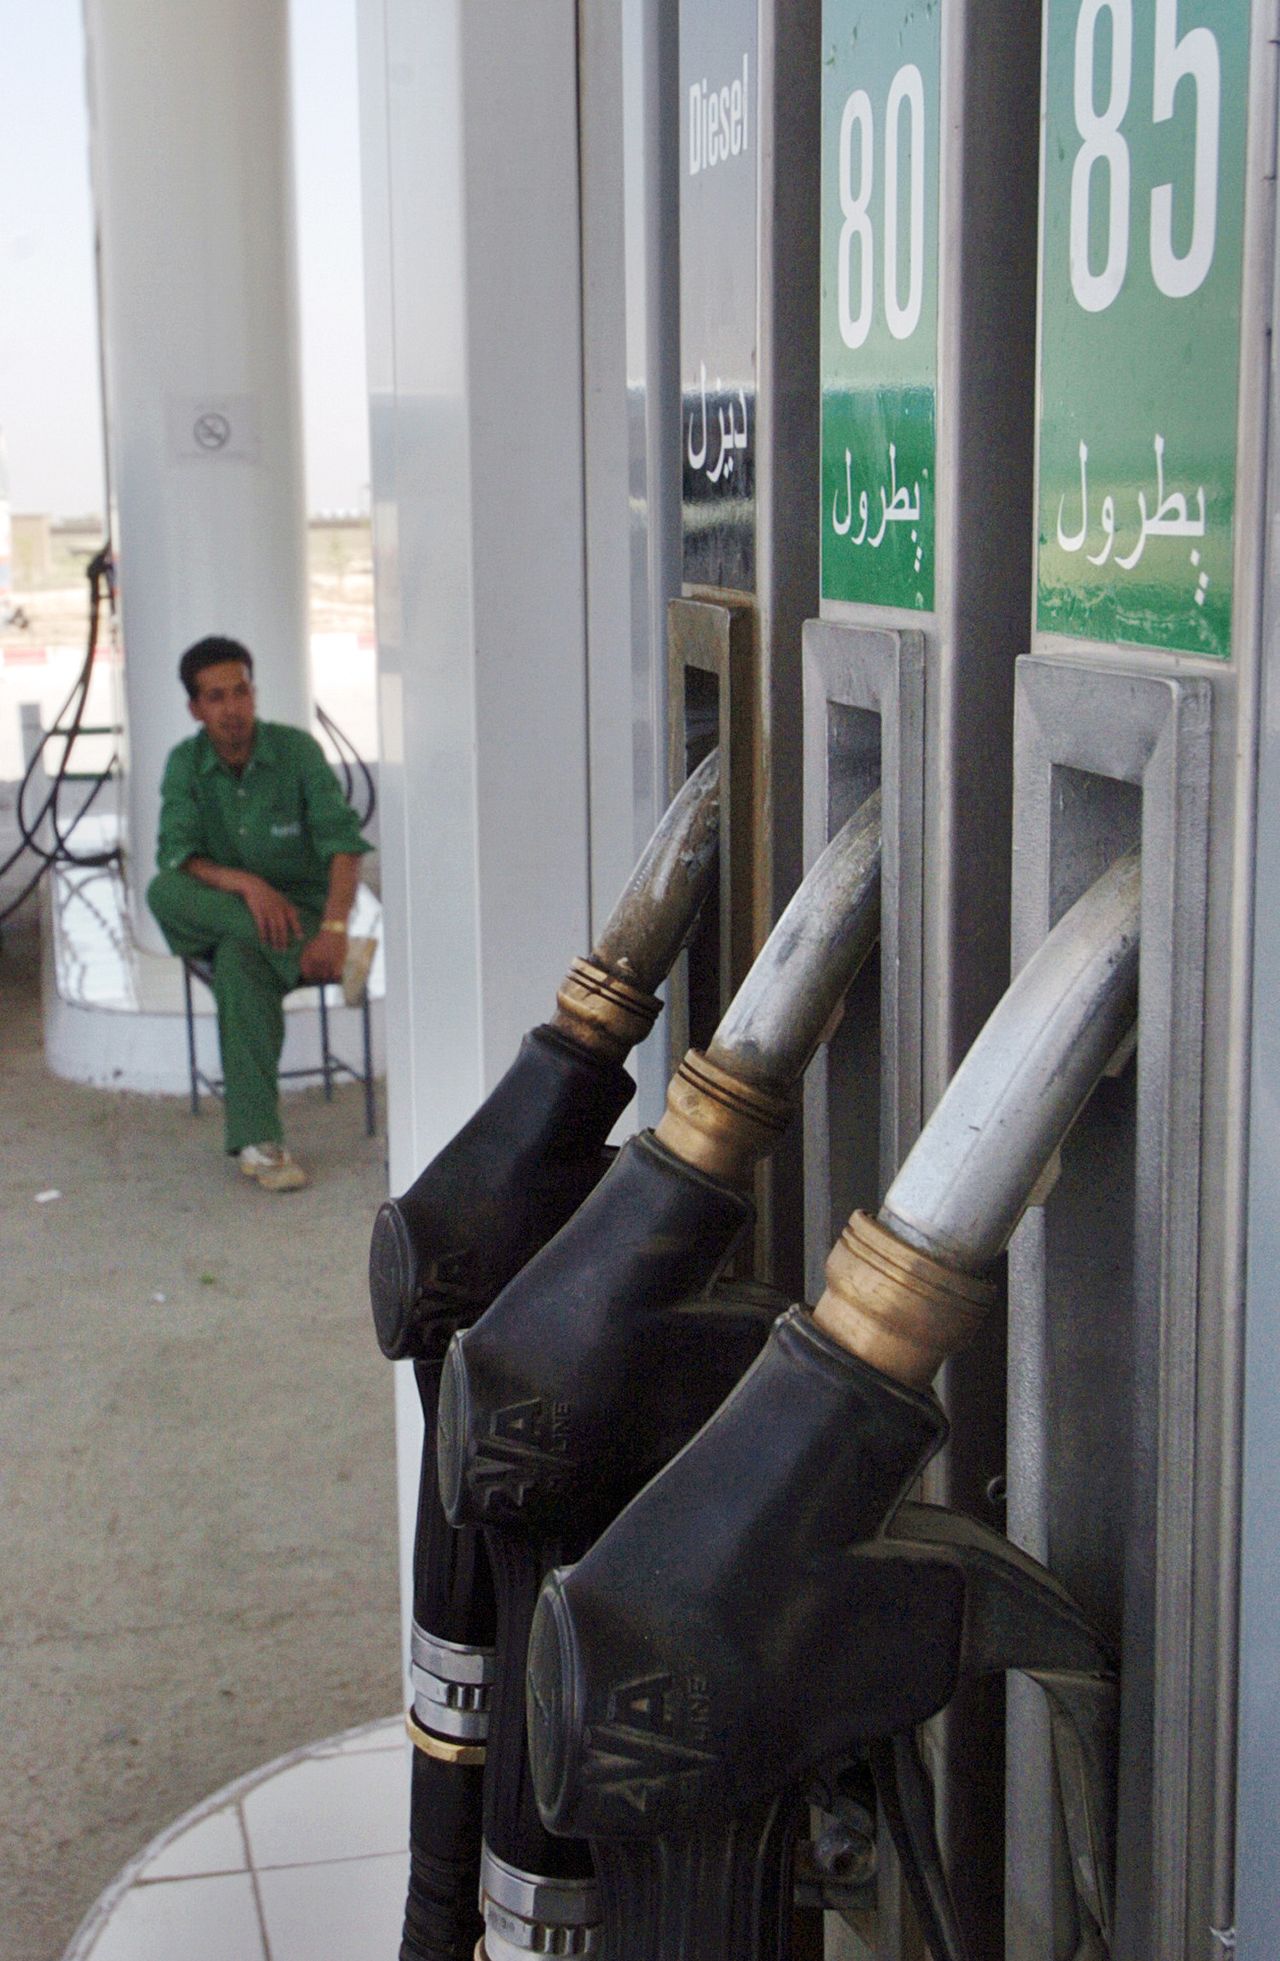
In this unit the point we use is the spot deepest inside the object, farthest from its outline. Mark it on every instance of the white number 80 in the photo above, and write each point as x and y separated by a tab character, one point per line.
903	316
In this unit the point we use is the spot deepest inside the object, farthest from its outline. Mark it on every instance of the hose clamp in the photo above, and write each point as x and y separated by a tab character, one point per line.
526	1914
603	1013
896	1307
452	1685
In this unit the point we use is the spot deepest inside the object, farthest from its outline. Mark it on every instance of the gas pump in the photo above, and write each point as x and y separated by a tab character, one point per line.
928	141
1028	610
602	1358
1051	412
1136	719
748	79
442	1251
685	1683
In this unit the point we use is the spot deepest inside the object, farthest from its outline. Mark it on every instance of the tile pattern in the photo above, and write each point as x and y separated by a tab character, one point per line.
303	1860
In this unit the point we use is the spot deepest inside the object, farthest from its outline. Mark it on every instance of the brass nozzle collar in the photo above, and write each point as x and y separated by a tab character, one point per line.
443	1748
719	1124
603	1013
899	1309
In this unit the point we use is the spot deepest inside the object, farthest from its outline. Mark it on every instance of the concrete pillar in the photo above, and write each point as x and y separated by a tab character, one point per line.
193	179
6	534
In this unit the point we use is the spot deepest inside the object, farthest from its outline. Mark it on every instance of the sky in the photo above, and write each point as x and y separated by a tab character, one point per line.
50	404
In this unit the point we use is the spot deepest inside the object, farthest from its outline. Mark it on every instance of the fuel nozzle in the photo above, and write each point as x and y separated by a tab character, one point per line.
533	1150
567	1376
610	1349
684	1683
438	1256
727	1107
904	1290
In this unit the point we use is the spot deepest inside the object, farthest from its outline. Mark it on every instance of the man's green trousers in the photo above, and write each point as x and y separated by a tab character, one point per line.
250	982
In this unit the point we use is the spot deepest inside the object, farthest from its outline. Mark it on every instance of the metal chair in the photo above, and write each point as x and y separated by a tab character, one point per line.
329	1065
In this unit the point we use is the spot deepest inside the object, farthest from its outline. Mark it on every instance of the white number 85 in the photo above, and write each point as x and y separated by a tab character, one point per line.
1194	58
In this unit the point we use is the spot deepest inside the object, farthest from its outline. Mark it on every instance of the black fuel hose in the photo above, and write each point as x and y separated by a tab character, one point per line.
59	852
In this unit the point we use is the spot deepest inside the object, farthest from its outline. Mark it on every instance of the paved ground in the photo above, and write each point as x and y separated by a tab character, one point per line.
197	1532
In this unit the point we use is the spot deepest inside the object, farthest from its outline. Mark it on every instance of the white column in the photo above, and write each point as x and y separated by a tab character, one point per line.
6	529
192	165
469	135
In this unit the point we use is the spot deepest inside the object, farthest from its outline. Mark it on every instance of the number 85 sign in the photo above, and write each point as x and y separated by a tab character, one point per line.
1141	266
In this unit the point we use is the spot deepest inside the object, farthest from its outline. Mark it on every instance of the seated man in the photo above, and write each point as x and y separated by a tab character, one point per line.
259	860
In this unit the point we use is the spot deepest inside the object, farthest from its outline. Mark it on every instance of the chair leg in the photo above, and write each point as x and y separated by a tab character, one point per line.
191	1040
369	1123
326	1060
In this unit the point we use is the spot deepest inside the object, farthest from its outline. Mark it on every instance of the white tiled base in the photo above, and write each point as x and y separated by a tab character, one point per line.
114	1016
303	1860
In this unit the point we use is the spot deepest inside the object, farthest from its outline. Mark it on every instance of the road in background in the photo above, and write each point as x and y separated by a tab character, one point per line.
42	647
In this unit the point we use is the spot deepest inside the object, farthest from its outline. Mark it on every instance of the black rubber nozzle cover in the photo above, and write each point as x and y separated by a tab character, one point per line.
438	1256
703	1654
506	1183
452	1585
695	1351
748	1617
575	1386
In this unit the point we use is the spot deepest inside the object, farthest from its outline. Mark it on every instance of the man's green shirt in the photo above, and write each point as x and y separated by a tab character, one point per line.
284	817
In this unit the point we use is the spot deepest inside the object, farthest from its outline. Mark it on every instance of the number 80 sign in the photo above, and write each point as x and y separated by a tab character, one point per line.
1142	228
881	140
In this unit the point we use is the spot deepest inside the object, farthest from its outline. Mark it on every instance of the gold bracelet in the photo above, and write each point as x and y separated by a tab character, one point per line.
333	926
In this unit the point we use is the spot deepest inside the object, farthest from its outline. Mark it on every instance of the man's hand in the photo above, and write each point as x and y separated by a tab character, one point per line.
274	916
323	957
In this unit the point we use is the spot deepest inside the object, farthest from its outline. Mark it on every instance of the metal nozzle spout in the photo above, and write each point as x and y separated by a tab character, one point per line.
651	921
726	1108
607	1003
965	1185
802	973
901	1290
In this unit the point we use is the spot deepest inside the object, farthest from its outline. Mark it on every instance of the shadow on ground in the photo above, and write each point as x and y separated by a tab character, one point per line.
197	1529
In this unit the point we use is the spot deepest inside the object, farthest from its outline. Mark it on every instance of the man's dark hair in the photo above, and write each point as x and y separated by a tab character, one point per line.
210	653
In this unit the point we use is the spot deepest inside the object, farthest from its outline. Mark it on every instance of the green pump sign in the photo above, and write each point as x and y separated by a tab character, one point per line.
880	153
1142	229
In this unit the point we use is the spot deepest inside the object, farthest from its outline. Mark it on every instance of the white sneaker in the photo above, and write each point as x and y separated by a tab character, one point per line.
355	969
273	1167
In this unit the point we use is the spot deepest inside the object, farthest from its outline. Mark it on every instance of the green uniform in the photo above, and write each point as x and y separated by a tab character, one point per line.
284	817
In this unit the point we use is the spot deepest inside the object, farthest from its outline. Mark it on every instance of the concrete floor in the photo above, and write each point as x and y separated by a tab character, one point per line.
197	1519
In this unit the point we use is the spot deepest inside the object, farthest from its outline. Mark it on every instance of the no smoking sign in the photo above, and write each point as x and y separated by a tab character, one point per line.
212	426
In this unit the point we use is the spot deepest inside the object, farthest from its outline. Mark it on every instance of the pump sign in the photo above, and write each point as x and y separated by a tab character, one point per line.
718	161
1142	230
880	152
